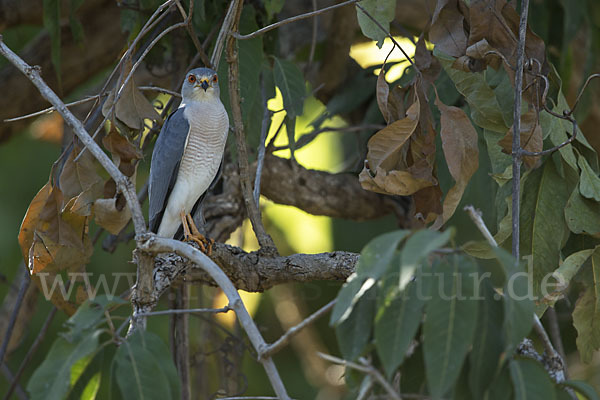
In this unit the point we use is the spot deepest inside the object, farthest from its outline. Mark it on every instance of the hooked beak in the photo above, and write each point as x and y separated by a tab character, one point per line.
203	84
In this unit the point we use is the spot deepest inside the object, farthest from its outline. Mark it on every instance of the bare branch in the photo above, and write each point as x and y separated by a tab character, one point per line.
293	331
187	311
155	244
478	220
288	20
49	109
516	142
255	272
367	368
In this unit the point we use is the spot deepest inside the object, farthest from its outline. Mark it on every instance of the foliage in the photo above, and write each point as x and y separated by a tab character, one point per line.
434	314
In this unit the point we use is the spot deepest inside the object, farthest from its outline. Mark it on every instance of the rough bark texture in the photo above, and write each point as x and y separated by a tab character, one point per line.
255	273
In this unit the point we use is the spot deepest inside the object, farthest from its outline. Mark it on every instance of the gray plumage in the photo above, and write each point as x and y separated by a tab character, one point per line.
187	153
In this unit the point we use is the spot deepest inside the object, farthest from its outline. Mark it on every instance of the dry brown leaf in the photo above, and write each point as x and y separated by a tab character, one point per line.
80	180
428	203
132	107
30	221
429	66
531	138
459	142
109	216
385	145
401	183
447	30
383	91
125	154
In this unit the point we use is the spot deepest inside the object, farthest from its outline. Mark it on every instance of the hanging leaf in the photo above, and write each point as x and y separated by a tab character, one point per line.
544	197
383	92
290	82
582	215
447	30
144	368
51	380
589	182
586	320
383	11
396	325
374	260
531	138
459	142
530	380
488	343
354	332
450	324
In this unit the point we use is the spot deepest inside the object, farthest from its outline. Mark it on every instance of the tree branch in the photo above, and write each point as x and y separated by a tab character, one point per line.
255	272
288	20
155	244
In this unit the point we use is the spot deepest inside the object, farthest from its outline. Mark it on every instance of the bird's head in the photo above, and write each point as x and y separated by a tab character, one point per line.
200	84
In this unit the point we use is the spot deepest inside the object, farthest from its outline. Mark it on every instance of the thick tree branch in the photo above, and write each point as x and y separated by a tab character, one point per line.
156	244
254	272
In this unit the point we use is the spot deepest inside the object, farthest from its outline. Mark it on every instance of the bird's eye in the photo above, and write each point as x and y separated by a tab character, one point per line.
191	79
215	79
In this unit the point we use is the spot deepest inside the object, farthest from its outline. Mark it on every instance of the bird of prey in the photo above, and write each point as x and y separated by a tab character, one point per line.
187	156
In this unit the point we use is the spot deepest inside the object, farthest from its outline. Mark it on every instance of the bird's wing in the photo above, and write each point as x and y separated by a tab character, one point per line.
167	154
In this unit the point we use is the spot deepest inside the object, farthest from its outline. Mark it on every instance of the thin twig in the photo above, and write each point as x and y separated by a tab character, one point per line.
293	331
190	29
161	90
313	39
10	377
49	109
25	281
365	367
36	343
261	146
478	220
228	22
156	244
587	81
187	311
516	142
556	337
309	137
295	18
265	241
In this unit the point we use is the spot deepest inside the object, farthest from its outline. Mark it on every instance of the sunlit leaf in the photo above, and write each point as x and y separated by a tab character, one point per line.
289	80
52	378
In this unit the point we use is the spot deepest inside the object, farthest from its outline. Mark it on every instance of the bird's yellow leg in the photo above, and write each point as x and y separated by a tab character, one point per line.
195	235
184	224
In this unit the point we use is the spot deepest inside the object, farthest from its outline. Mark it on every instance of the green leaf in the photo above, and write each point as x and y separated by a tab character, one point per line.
52	24
589	183
501	387
144	368
485	110
273	7
567	271
383	11
518	301
51	380
354	332
488	344
290	82
85	376
450	324
396	325
545	194
582	215
530	380
583	388
586	319
417	247
374	260
89	315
